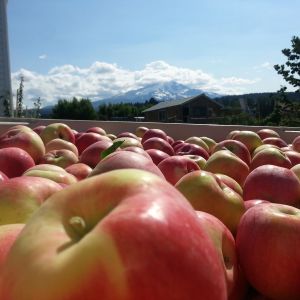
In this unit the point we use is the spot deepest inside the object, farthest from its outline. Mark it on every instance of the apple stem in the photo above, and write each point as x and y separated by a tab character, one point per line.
78	225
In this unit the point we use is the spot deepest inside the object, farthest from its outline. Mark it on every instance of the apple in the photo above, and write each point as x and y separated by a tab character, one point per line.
3	177
175	167
140	131
39	129
197	141
14	161
264	146
236	147
53	172
79	170
150	133
127	134
230	182
253	202
177	142
157	155
270	156
267	133
225	246
268	249
160	144
199	160
128	142
211	143
296	143
58	144
125	241
206	192
231	134
249	138
137	150
274	184
126	160
21	196
226	162
191	149
275	141
26	139
87	139
62	158
57	130
92	154
111	136
96	129
170	140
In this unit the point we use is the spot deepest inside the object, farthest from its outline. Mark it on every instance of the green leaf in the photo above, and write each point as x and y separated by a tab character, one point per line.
111	149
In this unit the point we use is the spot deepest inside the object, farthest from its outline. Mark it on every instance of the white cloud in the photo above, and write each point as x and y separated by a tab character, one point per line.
102	80
43	56
265	65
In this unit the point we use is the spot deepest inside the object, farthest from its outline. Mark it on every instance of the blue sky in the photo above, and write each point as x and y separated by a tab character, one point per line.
99	48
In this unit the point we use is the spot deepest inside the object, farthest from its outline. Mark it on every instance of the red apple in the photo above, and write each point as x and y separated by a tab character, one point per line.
275	141
39	129
57	130
137	150
197	141
199	160
87	139
157	155
97	129
268	249
150	133
14	161
267	133
274	184
58	144
253	202
79	170
296	143
230	182
160	144
134	237
249	138
3	177
191	149
175	167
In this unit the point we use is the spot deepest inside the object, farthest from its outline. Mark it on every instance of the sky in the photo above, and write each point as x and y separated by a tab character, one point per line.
97	48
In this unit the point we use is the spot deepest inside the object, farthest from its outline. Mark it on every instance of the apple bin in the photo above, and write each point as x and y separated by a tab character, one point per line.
131	211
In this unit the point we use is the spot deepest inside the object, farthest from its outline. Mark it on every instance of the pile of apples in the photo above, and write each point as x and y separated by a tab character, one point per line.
141	216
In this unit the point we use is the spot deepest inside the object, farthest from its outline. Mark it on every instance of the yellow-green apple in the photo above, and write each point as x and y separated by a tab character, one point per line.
209	142
279	142
296	143
191	149
155	132
230	182
274	184
236	147
88	138
296	170
111	136
160	144
57	130
231	134
21	196
206	192
127	134
96	129
125	160
3	177
137	150
250	138
92	154
25	139
262	147
62	158
199	160
79	170
268	249
140	131
15	161
225	246
226	162
157	155
52	172
270	156
38	129
197	141
58	144
266	133
133	237
175	167
253	202
128	142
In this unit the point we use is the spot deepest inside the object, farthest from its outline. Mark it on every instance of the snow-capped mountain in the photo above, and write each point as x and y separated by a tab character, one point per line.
163	91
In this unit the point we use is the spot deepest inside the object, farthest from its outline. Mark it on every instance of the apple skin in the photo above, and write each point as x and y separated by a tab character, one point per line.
296	143
236	147
157	155
79	170
177	142
199	160
128	142
26	139
92	154
275	141
270	156
121	243
39	129
274	184
227	163
263	147
57	130
20	197
127	134
3	177
253	202
230	182
58	144
293	156
206	192
160	144
191	149
126	160
55	173
249	138
96	129
137	150
15	161
175	167
62	158
150	133
225	246
140	131
267	133
197	141
87	139
209	142
268	249
111	136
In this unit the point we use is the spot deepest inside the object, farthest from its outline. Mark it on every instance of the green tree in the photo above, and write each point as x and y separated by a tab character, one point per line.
291	69
37	106
20	96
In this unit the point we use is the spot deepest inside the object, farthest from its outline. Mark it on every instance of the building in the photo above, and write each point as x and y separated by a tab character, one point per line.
198	109
5	79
